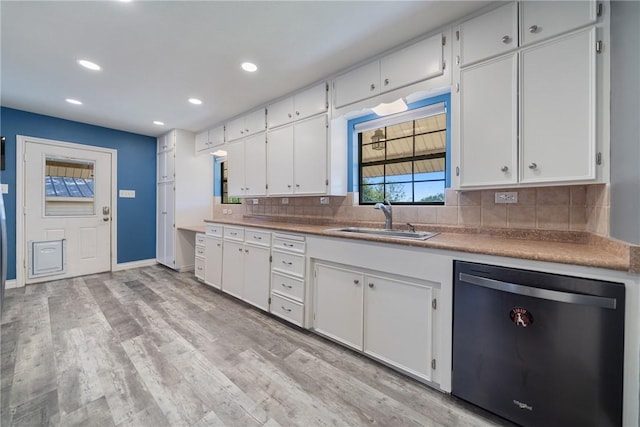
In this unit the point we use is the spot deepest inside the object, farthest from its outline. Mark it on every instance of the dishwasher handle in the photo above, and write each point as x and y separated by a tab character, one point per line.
548	294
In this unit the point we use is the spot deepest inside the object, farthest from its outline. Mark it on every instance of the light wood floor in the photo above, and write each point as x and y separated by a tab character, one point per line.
151	347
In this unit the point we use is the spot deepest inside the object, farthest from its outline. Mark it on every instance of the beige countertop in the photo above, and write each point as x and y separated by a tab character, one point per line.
578	248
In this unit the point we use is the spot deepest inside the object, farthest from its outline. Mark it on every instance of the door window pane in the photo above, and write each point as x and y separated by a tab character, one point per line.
68	187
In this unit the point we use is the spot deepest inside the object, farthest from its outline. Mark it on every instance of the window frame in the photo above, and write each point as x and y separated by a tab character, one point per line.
426	109
224	195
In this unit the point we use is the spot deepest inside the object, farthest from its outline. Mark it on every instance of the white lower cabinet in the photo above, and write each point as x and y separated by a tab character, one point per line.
213	262
288	266
245	265
398	323
339	304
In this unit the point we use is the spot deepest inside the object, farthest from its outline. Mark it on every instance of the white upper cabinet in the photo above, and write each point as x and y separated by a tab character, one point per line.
247	125
361	83
544	19
488	122
300	106
490	34
558	115
202	141
209	139
420	61
247	163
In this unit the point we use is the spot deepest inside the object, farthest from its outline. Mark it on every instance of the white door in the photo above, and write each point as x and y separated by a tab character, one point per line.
68	196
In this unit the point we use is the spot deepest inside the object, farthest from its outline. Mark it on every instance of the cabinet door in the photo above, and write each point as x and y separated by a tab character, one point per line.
543	19
490	34
488	123
255	165
256	276
310	156
414	63
161	220
216	136
280	113
233	268
166	141
356	85
557	133
398	323
280	159
311	102
255	122
338	304
213	262
202	141
235	129
235	169
165	230
166	166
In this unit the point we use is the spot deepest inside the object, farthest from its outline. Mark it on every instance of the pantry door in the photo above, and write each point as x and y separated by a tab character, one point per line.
67	195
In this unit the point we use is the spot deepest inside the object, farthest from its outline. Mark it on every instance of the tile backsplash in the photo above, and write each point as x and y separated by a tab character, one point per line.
565	208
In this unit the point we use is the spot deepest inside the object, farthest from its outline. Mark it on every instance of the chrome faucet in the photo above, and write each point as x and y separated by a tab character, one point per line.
386	209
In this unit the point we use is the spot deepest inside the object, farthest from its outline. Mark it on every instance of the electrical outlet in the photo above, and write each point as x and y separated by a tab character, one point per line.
224	211
285	200
324	200
506	197
229	211
254	201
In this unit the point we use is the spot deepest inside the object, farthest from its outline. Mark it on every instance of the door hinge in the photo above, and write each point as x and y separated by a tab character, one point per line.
457	87
457	170
434	304
444	65
326	182
269	300
314	316
599	9
266	186
599	158
457	59
458	35
599	46
270	258
444	40
433	364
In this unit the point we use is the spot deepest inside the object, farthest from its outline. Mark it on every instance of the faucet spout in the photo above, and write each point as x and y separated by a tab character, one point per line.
388	214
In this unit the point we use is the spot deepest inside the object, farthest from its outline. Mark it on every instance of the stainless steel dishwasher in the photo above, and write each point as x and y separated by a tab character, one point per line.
538	349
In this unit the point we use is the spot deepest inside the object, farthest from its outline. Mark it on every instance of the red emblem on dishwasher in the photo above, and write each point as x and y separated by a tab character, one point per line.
520	317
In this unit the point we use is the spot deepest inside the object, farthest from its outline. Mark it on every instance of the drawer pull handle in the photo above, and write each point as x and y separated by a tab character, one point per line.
286	286
233	233
288	310
257	237
287	262
289	245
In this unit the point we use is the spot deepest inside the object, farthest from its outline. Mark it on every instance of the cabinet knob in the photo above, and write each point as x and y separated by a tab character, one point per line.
533	166
373	87
356	281
289	115
504	168
246	251
239	249
506	39
371	285
386	82
289	186
218	244
297	113
533	29
297	185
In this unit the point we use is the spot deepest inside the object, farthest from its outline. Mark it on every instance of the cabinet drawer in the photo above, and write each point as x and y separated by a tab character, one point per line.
289	243
234	233
490	34
200	239
287	309
288	263
199	270
213	230
288	286
257	237
200	251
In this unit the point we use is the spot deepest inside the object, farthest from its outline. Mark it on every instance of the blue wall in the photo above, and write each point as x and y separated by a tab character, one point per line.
136	171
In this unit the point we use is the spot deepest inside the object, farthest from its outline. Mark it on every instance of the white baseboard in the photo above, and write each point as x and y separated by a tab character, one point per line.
135	264
10	284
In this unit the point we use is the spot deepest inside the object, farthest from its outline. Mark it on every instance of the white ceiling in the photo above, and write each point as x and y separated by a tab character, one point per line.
156	54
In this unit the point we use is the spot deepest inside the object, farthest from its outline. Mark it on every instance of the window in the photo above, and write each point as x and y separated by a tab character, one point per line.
402	158
224	190
68	187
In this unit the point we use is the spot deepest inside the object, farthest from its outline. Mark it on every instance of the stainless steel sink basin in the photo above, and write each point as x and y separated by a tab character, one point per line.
400	234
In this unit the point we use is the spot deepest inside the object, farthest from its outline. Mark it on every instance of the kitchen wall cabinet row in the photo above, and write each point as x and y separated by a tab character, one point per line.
526	97
183	197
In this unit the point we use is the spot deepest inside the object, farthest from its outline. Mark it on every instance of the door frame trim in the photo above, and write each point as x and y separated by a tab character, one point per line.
21	255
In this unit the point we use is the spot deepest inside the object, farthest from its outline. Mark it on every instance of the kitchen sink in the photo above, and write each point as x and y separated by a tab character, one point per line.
400	234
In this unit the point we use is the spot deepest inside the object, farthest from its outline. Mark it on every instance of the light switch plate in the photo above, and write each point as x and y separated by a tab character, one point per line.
5	188
127	194
255	201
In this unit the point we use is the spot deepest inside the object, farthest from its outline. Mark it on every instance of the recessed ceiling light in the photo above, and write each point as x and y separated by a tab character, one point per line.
73	101
249	66
195	101
158	122
88	64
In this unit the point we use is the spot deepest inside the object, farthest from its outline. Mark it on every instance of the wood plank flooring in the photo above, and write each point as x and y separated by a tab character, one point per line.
152	347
